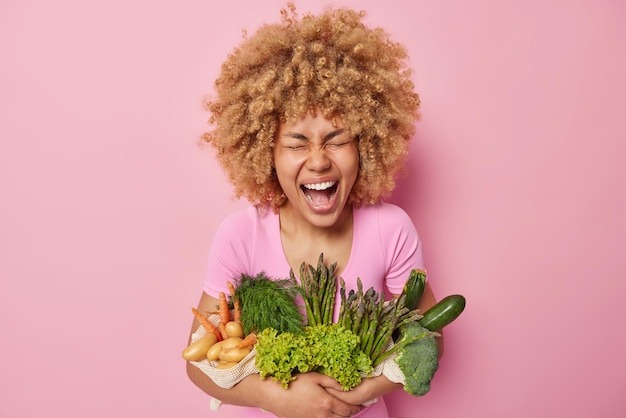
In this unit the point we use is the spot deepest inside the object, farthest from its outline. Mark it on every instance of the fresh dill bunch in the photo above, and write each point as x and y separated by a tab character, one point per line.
268	303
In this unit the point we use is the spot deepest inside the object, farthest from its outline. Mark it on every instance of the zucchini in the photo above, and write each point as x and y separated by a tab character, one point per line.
443	312
414	288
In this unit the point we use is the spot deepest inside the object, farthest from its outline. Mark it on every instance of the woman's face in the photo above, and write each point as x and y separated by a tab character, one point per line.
317	163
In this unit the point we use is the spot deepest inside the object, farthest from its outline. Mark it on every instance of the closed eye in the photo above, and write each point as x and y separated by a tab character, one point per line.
333	140
337	144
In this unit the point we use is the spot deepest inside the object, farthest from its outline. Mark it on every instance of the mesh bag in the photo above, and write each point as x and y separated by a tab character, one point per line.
389	368
225	378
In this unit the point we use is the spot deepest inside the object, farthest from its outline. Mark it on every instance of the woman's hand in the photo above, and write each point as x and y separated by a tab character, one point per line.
369	389
308	397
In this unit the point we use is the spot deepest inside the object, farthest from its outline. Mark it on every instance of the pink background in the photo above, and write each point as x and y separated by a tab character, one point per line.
108	206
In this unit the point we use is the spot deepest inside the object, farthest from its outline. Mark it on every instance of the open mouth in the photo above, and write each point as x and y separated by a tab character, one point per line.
320	194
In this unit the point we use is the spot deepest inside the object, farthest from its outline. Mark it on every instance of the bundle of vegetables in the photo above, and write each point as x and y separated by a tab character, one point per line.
375	320
419	359
378	329
282	342
224	343
364	330
366	314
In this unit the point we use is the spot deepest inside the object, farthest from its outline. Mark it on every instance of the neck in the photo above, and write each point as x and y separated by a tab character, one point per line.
293	224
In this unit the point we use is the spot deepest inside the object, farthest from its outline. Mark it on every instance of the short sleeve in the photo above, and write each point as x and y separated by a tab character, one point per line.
402	246
229	253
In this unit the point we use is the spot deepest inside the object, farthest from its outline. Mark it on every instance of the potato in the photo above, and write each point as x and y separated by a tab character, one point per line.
228	343
225	365
231	342
214	351
234	355
197	350
234	329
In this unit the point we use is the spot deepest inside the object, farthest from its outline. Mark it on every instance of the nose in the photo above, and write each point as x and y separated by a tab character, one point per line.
317	159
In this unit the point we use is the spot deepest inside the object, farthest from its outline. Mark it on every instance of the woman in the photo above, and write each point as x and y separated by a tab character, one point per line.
312	122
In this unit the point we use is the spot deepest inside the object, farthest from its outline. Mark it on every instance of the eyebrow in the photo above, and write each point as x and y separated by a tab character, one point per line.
326	138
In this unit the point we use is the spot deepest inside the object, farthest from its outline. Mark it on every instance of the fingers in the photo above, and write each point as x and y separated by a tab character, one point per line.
350	411
338	407
328	382
308	396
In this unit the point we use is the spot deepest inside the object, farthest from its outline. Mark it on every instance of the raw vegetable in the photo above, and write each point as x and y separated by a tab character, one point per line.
346	350
249	341
373	319
206	324
236	303
234	354
366	314
197	350
222	328
329	349
319	288
231	342
224	343
267	303
266	317
443	312
224	312
214	352
414	288
418	360
233	329
225	364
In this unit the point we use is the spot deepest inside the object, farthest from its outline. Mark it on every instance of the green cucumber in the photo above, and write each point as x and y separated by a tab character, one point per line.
443	312
414	288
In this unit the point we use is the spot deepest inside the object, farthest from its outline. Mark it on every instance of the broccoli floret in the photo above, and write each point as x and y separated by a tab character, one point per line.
418	360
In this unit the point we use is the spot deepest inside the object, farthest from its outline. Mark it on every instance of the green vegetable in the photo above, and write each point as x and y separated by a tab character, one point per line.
366	314
419	359
414	288
318	287
372	320
371	317
267	303
443	312
329	349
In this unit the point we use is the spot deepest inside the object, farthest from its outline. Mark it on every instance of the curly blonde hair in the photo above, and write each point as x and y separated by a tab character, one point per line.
332	62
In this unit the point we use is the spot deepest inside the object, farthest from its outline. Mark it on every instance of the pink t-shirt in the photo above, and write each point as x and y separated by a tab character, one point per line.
385	247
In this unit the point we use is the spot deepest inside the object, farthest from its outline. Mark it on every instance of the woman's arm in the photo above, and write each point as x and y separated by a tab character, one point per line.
307	396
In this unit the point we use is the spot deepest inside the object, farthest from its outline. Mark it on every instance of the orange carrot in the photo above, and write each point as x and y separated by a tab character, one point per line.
224	312
236	305
236	311
208	326
249	341
223	330
231	288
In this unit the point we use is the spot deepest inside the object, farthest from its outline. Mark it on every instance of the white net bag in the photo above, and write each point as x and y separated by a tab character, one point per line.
225	378
389	368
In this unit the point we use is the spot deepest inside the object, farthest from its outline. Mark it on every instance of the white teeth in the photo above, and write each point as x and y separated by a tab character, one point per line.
320	186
